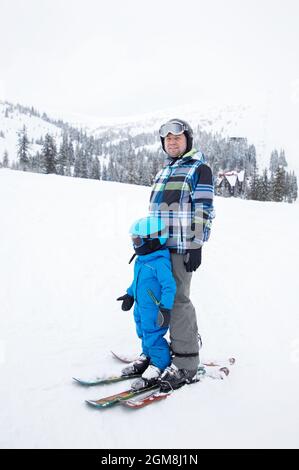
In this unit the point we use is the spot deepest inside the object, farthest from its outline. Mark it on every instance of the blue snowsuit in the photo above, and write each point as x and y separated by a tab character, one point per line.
153	272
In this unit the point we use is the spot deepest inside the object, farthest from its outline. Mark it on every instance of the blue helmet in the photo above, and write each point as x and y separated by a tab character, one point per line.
148	234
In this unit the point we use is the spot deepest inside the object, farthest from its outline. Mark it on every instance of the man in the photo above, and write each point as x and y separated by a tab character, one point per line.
182	195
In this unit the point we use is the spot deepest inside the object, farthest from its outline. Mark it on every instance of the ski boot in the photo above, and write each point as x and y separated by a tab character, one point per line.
137	367
149	378
173	378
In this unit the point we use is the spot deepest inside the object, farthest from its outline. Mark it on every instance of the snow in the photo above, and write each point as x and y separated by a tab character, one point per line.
241	176
36	128
150	147
64	250
232	179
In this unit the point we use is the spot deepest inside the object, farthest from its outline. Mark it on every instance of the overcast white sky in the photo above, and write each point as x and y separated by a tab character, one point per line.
115	58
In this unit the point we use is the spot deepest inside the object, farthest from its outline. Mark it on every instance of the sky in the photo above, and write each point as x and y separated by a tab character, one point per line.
116	58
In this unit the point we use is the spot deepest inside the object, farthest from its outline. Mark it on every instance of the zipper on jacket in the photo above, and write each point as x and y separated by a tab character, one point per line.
136	283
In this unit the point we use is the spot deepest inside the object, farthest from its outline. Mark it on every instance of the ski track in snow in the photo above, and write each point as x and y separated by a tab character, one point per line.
64	251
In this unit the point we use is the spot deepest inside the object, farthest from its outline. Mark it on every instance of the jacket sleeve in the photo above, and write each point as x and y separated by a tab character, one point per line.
168	285
130	290
203	210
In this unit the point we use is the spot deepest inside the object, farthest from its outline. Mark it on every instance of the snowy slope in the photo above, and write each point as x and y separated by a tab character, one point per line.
14	123
64	252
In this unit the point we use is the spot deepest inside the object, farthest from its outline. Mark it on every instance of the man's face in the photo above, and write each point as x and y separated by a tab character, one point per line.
175	145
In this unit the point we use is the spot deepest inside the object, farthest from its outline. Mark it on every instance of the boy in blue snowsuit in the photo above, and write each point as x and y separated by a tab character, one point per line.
153	291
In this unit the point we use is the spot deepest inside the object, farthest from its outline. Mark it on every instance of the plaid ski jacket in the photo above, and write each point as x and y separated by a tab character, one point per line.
182	195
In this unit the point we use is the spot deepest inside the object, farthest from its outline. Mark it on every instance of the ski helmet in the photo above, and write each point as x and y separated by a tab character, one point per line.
148	235
177	127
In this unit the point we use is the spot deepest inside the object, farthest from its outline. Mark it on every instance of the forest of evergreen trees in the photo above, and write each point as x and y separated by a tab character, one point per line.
117	156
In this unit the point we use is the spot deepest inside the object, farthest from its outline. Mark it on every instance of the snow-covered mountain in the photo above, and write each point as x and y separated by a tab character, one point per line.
64	251
12	120
258	123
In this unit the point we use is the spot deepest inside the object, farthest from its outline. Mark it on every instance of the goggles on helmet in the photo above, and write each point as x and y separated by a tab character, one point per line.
174	127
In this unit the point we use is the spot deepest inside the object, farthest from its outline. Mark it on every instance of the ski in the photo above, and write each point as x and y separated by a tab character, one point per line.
110	379
109	401
126	395
230	361
145	401
124	358
219	363
157	395
106	402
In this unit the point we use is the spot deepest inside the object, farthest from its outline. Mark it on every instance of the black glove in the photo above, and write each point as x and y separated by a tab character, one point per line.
128	301
163	317
192	259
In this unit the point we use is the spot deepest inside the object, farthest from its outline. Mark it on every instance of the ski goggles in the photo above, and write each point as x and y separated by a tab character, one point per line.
138	241
175	128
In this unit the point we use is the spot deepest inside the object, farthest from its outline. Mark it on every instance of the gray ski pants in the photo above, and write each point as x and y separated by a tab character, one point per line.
183	323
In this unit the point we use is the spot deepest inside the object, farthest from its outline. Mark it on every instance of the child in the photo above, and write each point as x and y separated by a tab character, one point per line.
153	291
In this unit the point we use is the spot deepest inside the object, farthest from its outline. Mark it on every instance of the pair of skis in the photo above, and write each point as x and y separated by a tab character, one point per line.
139	398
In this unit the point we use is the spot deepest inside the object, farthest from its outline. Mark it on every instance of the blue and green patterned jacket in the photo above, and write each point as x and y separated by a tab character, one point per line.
182	194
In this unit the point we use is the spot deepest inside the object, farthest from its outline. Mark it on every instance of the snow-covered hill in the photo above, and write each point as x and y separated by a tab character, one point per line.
263	124
64	251
259	123
12	122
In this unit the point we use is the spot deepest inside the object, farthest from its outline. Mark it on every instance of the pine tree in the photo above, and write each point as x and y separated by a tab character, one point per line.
68	170
274	161
5	159
36	163
77	167
144	170
49	154
146	163
259	188
279	185
282	159
71	153
110	169
119	171
84	164
254	192
132	175
287	188
294	187
246	188
104	174
63	155
250	160
96	169
23	149
265	187
291	187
